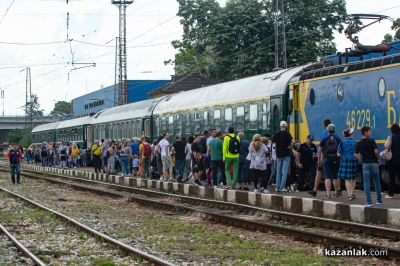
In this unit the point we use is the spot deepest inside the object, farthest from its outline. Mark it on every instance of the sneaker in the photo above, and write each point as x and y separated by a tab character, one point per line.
266	191
284	190
388	197
368	205
161	179
312	193
256	190
378	203
327	197
277	190
228	187
197	182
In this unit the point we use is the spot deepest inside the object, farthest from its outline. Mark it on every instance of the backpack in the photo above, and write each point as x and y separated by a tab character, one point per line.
147	150
234	145
331	149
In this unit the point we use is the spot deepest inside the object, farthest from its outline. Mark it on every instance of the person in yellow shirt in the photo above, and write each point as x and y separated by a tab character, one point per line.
96	151
230	154
75	155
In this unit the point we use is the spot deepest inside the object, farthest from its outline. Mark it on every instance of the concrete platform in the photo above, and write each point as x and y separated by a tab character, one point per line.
296	202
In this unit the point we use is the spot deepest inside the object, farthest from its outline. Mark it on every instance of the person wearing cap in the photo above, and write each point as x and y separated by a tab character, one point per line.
283	141
329	148
348	169
306	161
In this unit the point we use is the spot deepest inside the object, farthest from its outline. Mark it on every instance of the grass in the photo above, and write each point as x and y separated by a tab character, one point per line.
199	242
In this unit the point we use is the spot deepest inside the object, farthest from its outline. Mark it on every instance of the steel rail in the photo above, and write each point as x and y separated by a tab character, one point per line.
231	219
130	250
21	247
373	230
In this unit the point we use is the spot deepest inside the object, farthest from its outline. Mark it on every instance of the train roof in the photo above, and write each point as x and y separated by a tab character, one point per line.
126	112
46	127
85	120
242	90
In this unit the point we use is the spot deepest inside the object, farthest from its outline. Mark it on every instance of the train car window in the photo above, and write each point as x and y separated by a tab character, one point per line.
340	93
188	127
110	132
217	119
163	125
171	124
253	119
317	74
240	118
115	131
312	96
325	72
179	123
147	127
368	64
206	120
139	128
228	117
382	87
197	126
265	114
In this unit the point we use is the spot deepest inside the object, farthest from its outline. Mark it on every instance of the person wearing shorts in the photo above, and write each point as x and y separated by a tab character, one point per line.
166	157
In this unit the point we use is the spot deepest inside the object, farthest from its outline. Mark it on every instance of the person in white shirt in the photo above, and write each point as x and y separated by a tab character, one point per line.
166	157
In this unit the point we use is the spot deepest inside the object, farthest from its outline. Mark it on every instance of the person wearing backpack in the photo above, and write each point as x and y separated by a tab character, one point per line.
329	147
179	150
283	141
145	153
231	152
15	157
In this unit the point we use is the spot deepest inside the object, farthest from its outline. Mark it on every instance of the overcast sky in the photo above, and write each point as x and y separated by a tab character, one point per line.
152	25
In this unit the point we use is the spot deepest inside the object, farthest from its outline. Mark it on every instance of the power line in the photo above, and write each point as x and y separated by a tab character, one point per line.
5	14
33	43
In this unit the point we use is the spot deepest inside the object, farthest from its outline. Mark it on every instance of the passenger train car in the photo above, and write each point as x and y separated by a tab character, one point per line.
351	95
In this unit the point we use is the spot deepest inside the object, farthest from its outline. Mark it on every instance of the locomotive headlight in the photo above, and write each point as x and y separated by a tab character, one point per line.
382	87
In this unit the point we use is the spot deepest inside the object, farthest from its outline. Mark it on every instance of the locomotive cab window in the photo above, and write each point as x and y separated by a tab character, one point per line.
382	87
312	96
340	93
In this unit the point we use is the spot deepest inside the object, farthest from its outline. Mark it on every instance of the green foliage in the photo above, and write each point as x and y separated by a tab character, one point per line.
62	107
32	108
237	40
396	27
20	136
387	38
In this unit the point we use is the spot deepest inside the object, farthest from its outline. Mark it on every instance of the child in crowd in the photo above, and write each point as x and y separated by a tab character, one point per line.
135	165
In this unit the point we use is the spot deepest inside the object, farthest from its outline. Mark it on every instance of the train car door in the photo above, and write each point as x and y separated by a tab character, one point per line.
276	106
294	111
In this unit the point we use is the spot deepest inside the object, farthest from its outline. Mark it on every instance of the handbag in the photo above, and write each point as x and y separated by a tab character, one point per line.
386	155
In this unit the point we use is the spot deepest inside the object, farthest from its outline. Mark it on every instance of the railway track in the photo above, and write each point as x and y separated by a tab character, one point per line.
25	251
244	216
124	247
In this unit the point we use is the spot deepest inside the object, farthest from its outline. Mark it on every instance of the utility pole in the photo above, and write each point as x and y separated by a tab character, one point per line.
276	34
284	56
2	97
116	87
122	57
27	90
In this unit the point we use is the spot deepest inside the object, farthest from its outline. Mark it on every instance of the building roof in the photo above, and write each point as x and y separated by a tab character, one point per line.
181	83
243	90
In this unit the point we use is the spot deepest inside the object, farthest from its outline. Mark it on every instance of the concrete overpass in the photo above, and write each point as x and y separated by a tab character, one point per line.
8	123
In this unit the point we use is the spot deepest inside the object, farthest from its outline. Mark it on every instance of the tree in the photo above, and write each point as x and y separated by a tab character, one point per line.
237	40
32	108
20	136
62	107
396	27
387	38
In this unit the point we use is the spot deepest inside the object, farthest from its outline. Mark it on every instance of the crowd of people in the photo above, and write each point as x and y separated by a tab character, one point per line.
229	160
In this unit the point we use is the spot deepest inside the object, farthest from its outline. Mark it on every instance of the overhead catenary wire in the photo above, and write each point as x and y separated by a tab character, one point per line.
5	14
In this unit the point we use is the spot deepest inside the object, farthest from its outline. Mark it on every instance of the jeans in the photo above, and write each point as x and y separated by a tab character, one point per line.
125	165
283	164
111	164
243	177
394	172
216	167
231	179
371	170
146	167
15	172
179	167
188	168
74	161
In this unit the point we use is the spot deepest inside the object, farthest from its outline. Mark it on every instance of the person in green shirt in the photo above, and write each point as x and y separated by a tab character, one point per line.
215	151
231	149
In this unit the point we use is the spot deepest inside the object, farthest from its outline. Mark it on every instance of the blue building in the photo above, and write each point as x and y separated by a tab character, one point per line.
104	98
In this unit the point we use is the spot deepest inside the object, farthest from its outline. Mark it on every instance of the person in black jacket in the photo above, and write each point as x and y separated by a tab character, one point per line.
393	143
